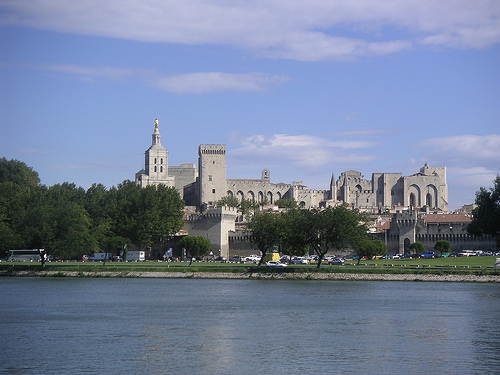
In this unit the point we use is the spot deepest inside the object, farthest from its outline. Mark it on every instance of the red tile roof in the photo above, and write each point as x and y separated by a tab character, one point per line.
448	218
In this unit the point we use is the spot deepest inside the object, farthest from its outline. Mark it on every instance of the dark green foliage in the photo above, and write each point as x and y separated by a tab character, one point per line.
294	241
336	228
267	230
370	248
486	216
196	246
442	246
417	247
287	203
68	221
18	173
298	230
229	201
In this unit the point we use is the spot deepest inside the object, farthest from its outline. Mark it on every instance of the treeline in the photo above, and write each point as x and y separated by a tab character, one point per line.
68	221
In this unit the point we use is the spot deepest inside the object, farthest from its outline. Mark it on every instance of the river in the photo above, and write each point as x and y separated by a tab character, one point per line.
200	326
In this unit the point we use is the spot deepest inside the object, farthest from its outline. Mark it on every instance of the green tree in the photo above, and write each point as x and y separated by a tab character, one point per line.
96	203
442	246
18	173
287	203
294	239
333	228
247	207
266	229
18	190
195	246
146	215
370	248
417	247
229	201
486	216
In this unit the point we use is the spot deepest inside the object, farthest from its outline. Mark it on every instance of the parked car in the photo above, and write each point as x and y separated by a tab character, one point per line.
285	259
221	259
253	258
484	253
298	260
275	263
467	253
339	261
428	254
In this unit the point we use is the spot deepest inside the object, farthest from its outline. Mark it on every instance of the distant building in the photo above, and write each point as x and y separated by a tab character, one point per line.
203	186
409	226
156	170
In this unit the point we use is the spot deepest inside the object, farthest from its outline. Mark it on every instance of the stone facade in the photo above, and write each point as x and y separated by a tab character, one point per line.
426	188
156	170
409	226
204	186
215	224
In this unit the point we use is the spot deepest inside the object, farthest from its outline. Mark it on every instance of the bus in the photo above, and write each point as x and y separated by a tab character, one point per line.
32	255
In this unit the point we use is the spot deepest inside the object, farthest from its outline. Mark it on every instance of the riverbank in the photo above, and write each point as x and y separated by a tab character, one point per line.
264	276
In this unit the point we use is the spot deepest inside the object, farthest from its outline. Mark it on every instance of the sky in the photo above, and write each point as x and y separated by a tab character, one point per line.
305	89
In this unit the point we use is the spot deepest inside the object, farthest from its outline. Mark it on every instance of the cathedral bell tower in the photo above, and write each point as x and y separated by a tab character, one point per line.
155	163
156	158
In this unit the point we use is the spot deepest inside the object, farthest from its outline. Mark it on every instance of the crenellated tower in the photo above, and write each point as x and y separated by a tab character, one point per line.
211	173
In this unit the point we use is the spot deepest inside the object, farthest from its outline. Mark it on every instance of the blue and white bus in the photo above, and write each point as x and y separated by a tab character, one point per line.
32	255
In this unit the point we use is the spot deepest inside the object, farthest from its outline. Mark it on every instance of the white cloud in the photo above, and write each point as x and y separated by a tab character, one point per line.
292	29
217	81
471	162
465	150
304	152
207	82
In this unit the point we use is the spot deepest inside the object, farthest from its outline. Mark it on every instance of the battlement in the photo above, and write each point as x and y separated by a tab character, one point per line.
212	150
212	213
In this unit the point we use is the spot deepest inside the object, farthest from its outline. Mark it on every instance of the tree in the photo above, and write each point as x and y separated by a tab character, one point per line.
196	246
294	239
442	246
486	216
19	186
333	228
247	206
146	215
18	173
370	248
417	247
266	228
287	203
229	200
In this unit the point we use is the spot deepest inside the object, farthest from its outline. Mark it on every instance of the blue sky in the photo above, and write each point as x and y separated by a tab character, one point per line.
303	88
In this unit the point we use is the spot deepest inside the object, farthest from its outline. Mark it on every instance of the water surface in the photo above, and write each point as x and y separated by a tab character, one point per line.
189	326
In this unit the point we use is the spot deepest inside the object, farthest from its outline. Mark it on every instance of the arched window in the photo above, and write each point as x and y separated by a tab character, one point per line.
270	197
428	200
413	200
